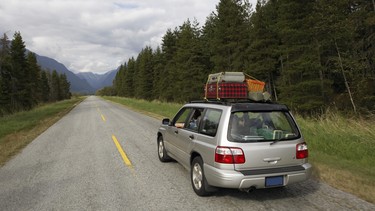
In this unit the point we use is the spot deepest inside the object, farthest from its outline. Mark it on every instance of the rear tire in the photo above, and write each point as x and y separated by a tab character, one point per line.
198	179
162	153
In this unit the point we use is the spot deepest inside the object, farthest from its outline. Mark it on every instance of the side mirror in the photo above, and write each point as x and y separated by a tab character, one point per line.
165	121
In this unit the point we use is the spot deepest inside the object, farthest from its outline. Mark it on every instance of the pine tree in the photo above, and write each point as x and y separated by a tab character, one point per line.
5	76
64	87
208	33
129	78
337	25
35	78
299	81
230	38
2	107
143	79
167	82
363	18
117	82
20	75
263	55
45	87
189	66
157	75
55	91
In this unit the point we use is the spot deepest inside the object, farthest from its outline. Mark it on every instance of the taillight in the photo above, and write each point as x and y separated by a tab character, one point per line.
230	155
302	151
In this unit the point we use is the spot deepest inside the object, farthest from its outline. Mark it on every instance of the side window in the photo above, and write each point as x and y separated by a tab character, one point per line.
195	119
210	122
181	118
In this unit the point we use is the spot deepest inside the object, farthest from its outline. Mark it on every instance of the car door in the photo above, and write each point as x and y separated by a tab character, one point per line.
182	132
176	133
188	134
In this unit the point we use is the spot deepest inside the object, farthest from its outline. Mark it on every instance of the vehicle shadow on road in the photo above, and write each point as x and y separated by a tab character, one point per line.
292	191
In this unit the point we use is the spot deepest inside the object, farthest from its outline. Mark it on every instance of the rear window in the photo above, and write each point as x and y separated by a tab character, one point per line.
261	126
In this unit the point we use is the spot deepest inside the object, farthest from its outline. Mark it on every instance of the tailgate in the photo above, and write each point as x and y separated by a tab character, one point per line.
264	155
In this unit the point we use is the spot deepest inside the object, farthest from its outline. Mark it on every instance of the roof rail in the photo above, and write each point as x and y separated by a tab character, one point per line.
211	101
229	101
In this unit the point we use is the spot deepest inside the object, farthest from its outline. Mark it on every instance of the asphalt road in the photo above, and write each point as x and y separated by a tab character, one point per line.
102	156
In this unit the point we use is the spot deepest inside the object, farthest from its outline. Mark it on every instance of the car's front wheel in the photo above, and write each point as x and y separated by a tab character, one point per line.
162	153
198	179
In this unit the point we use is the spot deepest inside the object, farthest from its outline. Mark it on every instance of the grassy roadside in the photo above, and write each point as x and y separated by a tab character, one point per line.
341	150
156	109
18	130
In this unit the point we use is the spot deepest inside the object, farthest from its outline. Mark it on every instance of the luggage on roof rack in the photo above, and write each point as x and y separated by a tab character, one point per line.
234	85
254	85
226	90
222	77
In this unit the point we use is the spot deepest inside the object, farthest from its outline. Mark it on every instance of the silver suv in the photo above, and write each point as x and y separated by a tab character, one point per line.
243	145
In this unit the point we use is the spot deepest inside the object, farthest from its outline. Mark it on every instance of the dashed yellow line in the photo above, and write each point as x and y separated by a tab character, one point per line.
122	153
100	112
118	146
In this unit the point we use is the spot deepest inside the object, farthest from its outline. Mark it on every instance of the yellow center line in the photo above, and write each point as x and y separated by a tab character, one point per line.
100	112
123	155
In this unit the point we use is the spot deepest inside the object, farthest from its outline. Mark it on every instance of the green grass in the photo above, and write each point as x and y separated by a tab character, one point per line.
341	150
17	130
347	143
29	119
155	108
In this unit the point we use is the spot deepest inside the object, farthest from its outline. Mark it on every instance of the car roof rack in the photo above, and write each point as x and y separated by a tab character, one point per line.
247	105
230	101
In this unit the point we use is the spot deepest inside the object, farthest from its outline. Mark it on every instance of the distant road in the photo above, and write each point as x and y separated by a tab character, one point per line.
102	156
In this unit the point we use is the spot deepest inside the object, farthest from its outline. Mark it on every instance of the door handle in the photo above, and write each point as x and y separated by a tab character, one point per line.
191	137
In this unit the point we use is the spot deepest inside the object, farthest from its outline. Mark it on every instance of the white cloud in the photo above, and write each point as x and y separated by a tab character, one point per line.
96	35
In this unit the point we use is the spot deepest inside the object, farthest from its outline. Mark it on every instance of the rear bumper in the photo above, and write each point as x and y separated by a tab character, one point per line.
234	179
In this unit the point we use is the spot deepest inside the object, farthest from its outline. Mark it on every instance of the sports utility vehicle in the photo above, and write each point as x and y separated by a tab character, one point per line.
243	145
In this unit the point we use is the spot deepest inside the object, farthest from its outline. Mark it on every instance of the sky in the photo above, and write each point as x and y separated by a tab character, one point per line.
97	35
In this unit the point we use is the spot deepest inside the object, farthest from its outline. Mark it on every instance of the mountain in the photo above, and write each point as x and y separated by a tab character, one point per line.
84	83
77	85
98	81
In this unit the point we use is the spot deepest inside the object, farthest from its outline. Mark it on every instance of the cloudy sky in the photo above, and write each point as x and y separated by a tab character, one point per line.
96	35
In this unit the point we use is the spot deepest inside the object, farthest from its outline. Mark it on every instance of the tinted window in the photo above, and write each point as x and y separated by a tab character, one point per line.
194	120
210	122
261	126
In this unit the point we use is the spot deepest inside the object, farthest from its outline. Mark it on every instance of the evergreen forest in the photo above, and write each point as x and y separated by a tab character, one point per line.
23	84
313	55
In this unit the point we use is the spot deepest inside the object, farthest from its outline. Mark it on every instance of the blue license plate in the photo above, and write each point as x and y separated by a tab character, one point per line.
274	181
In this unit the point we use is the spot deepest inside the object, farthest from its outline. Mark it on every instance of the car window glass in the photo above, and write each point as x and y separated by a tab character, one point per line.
210	122
261	126
181	117
194	120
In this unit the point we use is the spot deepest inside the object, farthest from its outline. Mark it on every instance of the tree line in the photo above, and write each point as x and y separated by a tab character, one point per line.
312	54
23	84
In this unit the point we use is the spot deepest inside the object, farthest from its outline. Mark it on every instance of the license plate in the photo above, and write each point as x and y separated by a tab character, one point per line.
274	181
